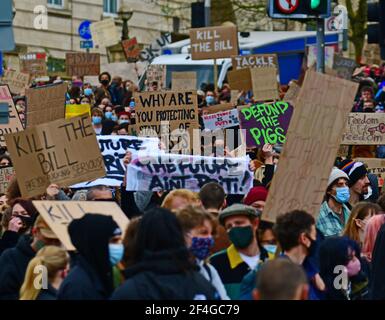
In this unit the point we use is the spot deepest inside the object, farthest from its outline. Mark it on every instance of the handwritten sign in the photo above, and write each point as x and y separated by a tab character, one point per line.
171	171
34	64
14	124
240	79
82	63
364	129
17	81
6	175
376	167
312	56
75	110
265	85
45	104
221	120
255	61
156	73
213	43
59	214
105	33
114	149
265	123
62	152
311	146
218	108
92	80
131	49
344	67
184	81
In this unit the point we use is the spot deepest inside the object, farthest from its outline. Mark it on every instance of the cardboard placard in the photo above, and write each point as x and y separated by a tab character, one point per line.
14	124
292	93
92	80
312	56
265	85
218	108
45	104
344	67
157	72
364	129
265	123
255	61
34	64
376	167
164	112
131	49
234	97
221	120
240	80
183	81
17	81
125	70
6	175
59	214
311	146
64	152
214	42
75	110
82	63
105	33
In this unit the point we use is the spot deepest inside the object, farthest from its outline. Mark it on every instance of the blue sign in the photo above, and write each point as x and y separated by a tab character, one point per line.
7	42
84	30
86	44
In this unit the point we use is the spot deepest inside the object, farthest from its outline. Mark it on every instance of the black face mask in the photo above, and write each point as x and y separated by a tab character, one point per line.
104	200
27	223
104	82
313	245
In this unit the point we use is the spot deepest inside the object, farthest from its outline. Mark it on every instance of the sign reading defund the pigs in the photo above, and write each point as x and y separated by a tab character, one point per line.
265	123
63	152
170	171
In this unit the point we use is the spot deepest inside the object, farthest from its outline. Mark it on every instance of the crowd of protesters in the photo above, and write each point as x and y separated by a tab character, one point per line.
199	245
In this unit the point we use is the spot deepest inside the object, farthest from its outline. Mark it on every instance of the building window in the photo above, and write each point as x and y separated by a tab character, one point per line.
110	6
56	3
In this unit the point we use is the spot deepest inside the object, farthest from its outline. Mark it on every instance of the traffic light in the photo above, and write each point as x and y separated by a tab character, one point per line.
7	41
299	9
376	25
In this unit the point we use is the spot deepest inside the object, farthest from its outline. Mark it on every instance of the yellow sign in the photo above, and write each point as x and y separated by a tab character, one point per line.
74	110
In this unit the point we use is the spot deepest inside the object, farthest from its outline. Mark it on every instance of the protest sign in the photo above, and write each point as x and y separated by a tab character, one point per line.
171	171
265	85
265	123
92	80
6	175
240	79
131	49
218	108
221	120
124	69
255	61
113	149
45	104
181	81
59	214
17	81
312	142
75	110
169	115
364	129
82	63
62	152
312	56
292	93
344	67
234	97
14	124
376	167
214	42
157	73
104	33
34	64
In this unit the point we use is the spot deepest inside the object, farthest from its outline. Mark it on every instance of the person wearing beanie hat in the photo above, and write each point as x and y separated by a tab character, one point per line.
334	212
244	254
256	198
358	180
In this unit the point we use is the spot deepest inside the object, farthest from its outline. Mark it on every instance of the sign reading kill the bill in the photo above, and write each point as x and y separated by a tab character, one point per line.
64	152
17	81
14	124
255	61
82	64
376	167
311	146
34	64
214	42
364	129
45	104
168	115
59	214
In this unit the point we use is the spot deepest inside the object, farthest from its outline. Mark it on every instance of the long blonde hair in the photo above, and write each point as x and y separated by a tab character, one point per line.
51	257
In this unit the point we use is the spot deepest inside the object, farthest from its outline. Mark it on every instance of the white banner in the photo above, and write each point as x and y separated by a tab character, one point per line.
169	171
221	120
113	149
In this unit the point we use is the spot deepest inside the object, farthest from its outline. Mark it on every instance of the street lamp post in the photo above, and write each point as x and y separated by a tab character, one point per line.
125	13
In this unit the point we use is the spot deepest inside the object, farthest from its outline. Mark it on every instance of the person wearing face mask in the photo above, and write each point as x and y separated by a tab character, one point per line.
14	261
334	212
210	98
340	256
97	119
116	90
198	226
98	242
244	254
102	91
124	117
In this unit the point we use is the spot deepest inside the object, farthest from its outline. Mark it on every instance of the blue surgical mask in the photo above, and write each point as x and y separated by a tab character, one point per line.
123	121
115	253
114	118
108	114
342	195
132	104
270	248
210	100
96	120
88	92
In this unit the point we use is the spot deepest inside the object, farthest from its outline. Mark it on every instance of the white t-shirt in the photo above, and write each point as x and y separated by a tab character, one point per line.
252	262
98	131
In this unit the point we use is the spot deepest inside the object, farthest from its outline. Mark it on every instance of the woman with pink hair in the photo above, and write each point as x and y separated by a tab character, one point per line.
373	226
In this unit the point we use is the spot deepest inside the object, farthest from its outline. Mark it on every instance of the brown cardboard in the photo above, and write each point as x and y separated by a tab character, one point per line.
184	81
131	49
104	33
157	72
376	167
255	61
240	80
17	81
6	175
82	64
265	85
34	64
